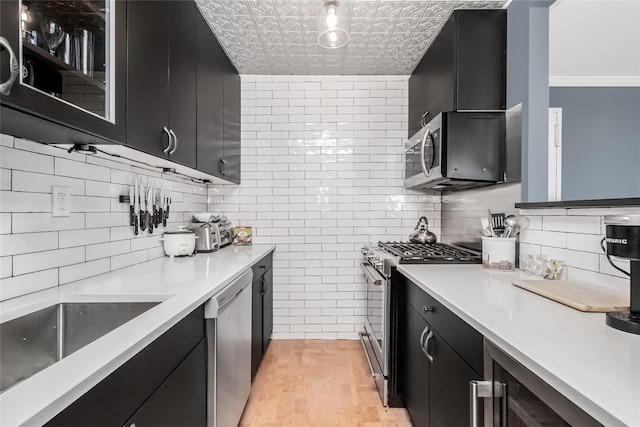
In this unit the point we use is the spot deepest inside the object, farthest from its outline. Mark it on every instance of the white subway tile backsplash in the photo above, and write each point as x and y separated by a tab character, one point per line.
13	201
27	283
96	237
35	222
41	183
13	158
125	260
86	269
6	267
37	261
5	179
65	167
16	244
574	224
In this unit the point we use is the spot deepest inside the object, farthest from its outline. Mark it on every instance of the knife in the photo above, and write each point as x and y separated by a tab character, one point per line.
143	225
131	210
150	208
136	209
159	206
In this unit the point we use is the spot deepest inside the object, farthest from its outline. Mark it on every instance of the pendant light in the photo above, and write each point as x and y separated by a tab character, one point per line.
330	33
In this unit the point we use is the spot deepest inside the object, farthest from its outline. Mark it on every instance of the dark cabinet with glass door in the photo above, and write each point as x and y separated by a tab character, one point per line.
526	400
63	66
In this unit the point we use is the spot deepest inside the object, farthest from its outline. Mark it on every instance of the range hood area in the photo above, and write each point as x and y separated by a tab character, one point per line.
457	99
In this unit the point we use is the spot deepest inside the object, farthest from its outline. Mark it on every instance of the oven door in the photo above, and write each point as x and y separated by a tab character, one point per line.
376	329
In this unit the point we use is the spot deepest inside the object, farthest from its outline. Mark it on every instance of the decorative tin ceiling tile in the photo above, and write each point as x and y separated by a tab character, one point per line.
280	36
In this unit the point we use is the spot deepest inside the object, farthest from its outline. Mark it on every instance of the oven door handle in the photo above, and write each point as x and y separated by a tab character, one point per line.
374	375
371	273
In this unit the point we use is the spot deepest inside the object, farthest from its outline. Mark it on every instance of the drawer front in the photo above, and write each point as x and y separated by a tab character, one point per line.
262	266
465	340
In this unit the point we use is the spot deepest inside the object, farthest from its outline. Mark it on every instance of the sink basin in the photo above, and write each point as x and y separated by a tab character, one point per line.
37	340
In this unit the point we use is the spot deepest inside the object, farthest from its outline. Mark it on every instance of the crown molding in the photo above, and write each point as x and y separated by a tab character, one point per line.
602	81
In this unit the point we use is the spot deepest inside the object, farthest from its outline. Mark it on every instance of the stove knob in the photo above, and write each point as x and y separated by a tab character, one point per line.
364	251
379	264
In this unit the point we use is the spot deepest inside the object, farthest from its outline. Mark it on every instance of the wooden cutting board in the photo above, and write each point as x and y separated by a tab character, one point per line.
581	296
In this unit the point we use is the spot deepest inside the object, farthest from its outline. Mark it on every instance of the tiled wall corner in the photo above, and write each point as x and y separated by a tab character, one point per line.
573	236
38	251
322	174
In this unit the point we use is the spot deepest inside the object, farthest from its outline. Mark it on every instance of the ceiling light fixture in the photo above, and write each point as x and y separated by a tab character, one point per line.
330	34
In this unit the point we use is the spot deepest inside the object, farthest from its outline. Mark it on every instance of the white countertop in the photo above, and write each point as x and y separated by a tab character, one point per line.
595	366
182	284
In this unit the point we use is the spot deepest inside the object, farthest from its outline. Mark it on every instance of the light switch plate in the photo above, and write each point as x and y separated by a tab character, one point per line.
60	201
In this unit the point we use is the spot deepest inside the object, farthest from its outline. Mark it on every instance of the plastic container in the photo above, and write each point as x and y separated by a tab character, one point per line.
499	253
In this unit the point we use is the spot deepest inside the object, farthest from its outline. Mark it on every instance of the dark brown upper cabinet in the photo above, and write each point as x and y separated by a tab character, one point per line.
218	105
463	69
161	92
69	72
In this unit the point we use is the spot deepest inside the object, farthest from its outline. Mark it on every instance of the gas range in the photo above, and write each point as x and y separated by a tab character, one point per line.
384	255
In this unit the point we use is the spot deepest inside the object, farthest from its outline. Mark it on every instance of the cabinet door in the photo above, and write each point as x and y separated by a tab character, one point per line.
440	90
256	325
148	78
413	364
181	400
182	80
59	85
417	98
449	385
267	308
231	154
210	102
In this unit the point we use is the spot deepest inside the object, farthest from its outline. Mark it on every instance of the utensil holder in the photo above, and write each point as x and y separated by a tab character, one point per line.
499	253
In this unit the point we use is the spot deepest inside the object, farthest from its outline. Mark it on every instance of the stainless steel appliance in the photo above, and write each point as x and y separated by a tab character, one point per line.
208	236
226	232
512	395
623	241
379	259
228	329
457	150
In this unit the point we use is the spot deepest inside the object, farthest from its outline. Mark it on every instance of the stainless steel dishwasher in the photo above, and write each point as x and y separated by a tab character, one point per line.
228	327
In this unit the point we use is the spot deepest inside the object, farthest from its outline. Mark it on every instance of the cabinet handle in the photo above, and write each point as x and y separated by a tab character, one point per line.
264	289
426	309
175	142
486	389
426	346
14	66
165	130
425	342
224	166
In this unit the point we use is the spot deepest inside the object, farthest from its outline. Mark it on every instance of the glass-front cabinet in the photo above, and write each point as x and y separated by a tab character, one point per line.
64	61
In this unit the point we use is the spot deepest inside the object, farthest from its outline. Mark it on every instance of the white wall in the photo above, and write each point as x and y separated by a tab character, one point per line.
322	174
594	42
39	251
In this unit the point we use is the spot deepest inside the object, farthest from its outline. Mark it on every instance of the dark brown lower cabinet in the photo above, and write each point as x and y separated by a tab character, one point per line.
434	370
158	372
262	311
181	398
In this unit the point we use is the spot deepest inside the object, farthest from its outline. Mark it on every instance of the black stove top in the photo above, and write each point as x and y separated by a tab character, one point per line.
434	253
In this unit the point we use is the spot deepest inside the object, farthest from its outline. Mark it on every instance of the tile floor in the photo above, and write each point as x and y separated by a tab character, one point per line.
317	383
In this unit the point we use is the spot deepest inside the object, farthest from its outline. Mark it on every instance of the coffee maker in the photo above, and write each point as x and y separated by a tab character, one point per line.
622	237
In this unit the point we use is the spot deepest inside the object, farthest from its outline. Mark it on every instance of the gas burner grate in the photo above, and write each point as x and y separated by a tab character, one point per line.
434	253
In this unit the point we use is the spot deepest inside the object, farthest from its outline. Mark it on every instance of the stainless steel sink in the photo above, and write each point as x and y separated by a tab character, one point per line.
37	340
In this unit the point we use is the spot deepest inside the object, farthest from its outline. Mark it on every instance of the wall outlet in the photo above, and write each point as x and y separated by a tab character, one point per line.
60	201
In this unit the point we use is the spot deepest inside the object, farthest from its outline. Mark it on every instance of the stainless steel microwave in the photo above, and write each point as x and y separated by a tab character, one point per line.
457	150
